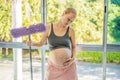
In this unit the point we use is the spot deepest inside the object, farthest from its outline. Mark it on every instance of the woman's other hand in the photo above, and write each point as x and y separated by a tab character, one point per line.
68	61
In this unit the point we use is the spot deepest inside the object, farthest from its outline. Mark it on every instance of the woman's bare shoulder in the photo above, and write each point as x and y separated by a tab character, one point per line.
48	26
71	30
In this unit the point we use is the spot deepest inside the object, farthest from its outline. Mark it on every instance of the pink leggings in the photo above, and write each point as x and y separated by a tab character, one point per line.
61	72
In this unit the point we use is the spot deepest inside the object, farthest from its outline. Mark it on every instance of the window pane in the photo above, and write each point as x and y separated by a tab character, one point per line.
89	22
114	22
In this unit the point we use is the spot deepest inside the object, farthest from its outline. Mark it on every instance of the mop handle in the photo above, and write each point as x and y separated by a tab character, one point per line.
30	51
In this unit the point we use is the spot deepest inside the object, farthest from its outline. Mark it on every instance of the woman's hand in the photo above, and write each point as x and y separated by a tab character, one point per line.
29	43
69	61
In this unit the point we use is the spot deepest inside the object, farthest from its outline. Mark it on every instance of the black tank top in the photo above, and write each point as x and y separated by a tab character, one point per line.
58	41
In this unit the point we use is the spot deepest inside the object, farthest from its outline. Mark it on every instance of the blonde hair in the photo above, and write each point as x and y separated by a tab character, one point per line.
70	10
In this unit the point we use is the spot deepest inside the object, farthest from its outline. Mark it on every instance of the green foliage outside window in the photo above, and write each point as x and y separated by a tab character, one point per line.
88	24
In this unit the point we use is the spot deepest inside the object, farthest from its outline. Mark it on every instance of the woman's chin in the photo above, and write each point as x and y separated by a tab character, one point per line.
65	25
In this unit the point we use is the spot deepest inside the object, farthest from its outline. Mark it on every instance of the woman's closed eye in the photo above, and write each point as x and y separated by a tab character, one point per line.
69	20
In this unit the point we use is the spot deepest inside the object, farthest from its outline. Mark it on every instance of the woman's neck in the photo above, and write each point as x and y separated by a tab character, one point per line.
60	25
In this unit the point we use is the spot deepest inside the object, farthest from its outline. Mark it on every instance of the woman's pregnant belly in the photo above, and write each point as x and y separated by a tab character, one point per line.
59	56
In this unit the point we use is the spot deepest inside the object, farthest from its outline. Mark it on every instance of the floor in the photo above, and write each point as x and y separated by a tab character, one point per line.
86	71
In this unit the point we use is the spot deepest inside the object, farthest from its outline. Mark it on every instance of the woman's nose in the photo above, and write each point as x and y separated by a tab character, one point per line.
69	20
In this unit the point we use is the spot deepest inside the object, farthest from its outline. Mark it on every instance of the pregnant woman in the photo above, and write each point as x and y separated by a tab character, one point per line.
61	39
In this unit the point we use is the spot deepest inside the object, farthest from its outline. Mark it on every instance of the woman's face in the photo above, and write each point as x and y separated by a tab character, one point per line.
67	18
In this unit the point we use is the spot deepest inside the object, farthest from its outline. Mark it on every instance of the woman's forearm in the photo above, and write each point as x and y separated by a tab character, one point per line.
37	44
73	52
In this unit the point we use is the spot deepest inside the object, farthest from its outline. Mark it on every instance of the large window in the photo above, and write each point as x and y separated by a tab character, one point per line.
88	27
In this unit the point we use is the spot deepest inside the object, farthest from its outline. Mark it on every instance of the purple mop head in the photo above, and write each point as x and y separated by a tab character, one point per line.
36	28
18	32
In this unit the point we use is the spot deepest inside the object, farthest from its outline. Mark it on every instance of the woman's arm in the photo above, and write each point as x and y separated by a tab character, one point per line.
73	45
43	39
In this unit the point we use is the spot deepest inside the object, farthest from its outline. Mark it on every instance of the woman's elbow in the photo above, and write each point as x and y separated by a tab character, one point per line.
74	47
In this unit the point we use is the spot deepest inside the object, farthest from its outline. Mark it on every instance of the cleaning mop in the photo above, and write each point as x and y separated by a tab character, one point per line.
23	31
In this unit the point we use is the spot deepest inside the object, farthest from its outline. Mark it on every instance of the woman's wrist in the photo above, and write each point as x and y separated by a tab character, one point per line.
73	57
35	44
